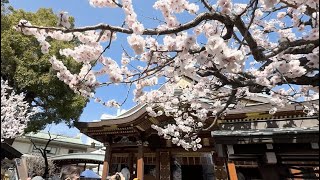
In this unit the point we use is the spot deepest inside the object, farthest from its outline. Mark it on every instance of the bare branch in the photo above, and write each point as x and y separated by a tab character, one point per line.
257	52
207	5
289	47
251	21
35	146
118	4
229	101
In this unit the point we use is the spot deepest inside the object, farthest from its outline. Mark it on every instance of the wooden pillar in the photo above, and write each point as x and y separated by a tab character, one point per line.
165	173
21	165
106	162
140	163
158	165
269	171
130	163
232	171
219	167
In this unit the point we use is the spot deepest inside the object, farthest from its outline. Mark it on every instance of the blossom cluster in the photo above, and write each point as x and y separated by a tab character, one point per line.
103	3
15	112
169	7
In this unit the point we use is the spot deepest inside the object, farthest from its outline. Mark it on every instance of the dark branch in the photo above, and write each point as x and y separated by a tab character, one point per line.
201	17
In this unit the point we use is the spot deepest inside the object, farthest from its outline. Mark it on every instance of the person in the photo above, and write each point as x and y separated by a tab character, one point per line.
37	178
117	176
126	173
70	173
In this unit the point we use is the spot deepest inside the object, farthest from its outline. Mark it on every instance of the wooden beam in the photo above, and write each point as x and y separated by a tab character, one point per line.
106	162
232	171
140	163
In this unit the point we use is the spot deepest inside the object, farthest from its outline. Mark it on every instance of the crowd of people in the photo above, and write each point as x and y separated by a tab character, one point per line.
73	173
67	173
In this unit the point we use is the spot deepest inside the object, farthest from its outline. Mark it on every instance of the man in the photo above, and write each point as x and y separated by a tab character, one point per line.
70	173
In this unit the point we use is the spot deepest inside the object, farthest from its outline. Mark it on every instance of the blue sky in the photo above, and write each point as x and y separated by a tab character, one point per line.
84	15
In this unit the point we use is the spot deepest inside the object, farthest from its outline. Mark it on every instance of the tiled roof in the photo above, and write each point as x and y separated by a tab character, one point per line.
60	138
82	156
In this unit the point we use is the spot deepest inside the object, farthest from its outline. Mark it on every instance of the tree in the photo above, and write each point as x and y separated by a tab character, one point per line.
41	165
36	165
27	70
230	51
15	112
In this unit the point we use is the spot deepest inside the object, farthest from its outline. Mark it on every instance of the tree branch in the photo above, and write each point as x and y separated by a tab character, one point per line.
229	101
290	47
257	52
196	21
207	5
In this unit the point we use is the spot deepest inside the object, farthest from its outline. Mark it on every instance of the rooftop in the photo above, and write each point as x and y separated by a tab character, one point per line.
59	138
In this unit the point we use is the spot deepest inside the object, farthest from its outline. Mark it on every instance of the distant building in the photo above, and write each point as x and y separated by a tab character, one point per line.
61	145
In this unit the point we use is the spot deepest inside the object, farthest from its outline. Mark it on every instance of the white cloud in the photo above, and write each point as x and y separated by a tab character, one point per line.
119	112
107	116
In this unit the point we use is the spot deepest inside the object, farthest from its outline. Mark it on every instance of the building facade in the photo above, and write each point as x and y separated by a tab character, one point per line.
59	146
257	145
249	143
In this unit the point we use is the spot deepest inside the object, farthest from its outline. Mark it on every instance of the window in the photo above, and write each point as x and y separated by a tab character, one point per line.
75	151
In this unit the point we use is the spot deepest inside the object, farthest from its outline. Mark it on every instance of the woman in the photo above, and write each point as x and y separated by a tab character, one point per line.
70	173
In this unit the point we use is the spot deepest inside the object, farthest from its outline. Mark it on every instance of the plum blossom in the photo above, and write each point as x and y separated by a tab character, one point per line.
221	51
103	3
137	43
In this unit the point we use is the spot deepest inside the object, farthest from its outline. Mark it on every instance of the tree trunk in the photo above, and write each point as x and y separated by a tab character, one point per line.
46	169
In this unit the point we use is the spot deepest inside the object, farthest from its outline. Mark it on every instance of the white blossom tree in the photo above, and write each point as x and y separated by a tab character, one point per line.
262	46
15	112
36	165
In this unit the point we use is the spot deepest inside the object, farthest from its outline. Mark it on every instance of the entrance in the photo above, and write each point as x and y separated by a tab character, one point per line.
192	172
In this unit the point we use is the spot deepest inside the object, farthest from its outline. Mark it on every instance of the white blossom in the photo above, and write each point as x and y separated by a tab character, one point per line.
15	112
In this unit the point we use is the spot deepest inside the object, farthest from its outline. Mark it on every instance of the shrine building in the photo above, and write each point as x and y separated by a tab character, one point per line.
247	143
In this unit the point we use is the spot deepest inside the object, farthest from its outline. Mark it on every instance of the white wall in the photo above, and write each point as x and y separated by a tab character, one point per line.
23	147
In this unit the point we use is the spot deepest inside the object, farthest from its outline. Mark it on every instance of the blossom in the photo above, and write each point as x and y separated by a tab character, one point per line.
15	112
137	43
103	3
249	60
